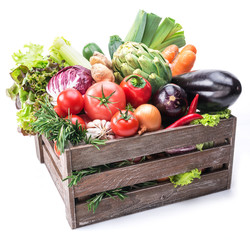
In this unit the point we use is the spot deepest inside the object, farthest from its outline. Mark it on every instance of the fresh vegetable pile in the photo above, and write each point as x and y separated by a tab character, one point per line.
146	85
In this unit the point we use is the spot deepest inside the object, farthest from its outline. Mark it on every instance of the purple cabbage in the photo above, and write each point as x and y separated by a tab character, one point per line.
77	77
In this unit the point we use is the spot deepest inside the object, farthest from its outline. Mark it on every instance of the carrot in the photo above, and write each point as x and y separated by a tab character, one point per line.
189	47
170	52
183	63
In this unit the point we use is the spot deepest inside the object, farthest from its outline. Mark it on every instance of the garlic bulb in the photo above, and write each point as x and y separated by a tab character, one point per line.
100	129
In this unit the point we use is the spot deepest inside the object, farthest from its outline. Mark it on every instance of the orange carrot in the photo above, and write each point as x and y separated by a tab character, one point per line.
170	52
162	179
189	47
183	63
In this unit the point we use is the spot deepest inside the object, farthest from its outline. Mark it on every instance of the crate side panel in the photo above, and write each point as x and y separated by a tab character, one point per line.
152	197
232	143
50	149
39	148
68	193
84	156
148	171
54	173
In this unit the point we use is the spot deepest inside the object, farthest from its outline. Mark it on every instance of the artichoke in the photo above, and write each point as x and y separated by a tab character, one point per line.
137	58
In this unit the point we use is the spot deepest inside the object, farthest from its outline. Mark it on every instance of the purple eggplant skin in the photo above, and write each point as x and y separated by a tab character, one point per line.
186	149
217	89
171	101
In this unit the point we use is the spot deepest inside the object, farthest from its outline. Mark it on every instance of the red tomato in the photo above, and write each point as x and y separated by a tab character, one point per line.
72	99
137	89
124	123
85	118
59	111
103	99
75	118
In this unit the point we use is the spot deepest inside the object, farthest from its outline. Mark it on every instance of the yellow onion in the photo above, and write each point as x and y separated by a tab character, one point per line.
149	118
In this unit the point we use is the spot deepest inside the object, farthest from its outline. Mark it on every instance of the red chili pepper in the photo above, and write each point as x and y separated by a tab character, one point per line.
193	105
185	120
137	89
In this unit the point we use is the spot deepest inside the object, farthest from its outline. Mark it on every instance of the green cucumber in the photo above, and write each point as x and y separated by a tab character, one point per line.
89	50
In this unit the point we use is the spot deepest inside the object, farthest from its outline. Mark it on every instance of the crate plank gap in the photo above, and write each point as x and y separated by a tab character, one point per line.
217	161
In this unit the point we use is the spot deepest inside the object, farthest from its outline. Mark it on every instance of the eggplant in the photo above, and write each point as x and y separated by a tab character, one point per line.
176	151
171	101
217	89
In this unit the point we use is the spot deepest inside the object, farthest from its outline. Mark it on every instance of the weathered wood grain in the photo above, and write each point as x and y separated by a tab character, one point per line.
50	148
83	156
126	148
54	172
148	171
232	143
39	148
151	197
69	197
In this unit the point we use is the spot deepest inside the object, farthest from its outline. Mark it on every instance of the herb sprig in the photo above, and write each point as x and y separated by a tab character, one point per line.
61	130
94	202
76	176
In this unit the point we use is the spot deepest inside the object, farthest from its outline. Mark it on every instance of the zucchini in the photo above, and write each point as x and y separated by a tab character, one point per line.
89	50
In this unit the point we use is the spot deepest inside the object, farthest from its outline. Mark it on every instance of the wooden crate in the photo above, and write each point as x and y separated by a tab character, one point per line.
216	161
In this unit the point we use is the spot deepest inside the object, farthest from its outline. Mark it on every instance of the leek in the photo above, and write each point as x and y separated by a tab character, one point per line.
177	27
148	29
62	50
162	32
152	24
178	39
137	30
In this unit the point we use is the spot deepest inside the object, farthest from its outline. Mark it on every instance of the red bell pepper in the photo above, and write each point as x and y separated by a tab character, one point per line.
137	89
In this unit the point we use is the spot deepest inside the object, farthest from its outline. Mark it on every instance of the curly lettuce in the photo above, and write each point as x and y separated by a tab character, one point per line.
212	119
185	178
205	145
30	77
32	57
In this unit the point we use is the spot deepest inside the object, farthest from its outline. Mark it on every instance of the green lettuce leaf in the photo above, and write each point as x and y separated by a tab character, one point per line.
212	119
12	91
25	117
37	79
30	80
23	96
204	145
185	178
31	58
18	74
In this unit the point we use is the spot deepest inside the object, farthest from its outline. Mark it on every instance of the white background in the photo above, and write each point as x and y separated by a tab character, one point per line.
31	207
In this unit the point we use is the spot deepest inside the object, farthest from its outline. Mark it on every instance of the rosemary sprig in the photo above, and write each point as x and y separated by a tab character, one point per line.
78	175
59	129
94	202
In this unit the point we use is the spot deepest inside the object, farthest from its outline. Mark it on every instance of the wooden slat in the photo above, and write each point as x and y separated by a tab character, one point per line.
138	173
232	143
151	197
50	149
126	148
54	173
69	197
39	148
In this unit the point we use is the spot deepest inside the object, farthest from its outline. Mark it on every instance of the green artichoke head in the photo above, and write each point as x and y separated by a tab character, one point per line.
137	58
